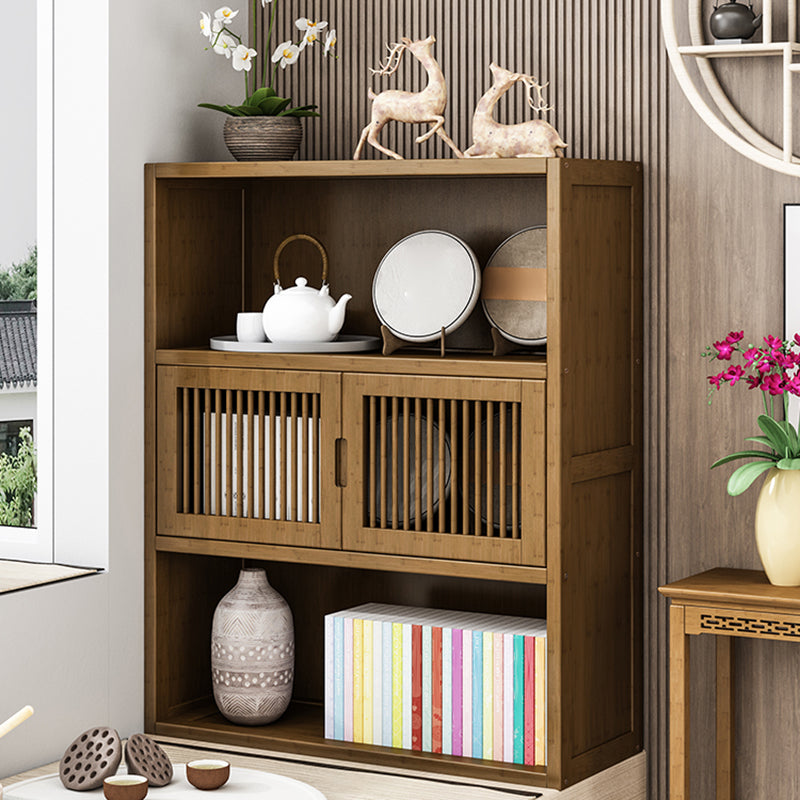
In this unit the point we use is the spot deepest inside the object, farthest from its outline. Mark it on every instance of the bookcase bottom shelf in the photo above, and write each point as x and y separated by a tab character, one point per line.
300	730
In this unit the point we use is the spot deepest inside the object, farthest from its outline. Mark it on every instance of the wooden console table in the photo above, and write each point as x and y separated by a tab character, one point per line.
725	603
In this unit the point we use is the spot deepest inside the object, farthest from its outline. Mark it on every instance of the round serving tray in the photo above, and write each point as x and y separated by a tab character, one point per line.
428	281
344	343
514	292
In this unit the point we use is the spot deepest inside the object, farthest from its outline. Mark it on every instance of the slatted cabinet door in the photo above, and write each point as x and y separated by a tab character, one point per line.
248	455
445	467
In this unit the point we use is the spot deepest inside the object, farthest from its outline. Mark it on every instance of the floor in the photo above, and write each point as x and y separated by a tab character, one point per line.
15	575
339	780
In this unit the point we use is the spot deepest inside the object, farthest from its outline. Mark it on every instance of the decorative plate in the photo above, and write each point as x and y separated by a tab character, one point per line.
428	281
514	293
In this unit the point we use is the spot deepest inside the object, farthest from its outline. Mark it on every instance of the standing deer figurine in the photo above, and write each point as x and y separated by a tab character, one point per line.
491	139
425	106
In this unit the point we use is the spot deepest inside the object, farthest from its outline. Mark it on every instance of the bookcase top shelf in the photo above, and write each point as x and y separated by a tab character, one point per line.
411	168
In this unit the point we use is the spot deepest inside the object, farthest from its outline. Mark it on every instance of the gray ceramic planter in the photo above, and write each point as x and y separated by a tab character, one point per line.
263	138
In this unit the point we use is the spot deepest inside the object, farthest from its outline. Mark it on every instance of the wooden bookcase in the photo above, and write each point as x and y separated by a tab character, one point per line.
554	528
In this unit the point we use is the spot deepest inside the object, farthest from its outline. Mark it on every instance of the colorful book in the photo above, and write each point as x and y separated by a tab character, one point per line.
416	687
377	682
348	679
436	689
466	731
488	695
457	691
328	677
397	684
358	688
388	684
427	690
508	697
541	702
366	681
338	678
499	683
530	699
519	699
477	694
407	687
447	691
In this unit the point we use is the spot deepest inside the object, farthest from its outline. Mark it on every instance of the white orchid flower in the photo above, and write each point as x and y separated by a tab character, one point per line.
225	14
243	58
205	24
330	40
264	3
225	45
287	53
309	38
310	26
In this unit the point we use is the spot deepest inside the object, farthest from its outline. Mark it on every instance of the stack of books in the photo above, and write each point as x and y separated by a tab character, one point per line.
437	681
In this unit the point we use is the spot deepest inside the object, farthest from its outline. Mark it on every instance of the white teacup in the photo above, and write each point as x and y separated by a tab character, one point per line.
249	327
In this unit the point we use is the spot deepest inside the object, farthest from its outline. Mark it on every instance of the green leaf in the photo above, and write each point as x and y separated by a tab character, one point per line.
293	112
743	454
258	95
788	463
272	106
775	433
248	111
745	475
760	440
791	435
224	109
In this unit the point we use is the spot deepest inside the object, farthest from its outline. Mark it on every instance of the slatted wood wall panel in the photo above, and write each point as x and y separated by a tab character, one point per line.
608	77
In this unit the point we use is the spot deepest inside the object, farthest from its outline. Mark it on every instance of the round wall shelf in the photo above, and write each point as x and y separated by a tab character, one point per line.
738	132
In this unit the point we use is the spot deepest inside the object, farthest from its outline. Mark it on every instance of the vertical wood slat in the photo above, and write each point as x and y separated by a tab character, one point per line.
218	449
273	464
429	463
476	438
464	467
239	448
228	452
207	451
185	468
315	449
489	468
441	494
303	504
454	472
262	475
251	456
406	462
384	465
373	461
395	465
501	480
515	530
417	463
291	437
284	457
196	448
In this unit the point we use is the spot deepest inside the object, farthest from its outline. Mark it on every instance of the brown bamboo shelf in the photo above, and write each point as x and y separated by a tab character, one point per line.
507	485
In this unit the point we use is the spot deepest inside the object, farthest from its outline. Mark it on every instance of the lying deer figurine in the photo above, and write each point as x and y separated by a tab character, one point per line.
425	106
533	139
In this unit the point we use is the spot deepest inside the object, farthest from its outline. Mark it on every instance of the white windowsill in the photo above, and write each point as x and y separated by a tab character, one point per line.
16	575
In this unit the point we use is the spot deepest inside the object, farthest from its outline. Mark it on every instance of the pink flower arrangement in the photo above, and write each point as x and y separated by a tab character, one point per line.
774	369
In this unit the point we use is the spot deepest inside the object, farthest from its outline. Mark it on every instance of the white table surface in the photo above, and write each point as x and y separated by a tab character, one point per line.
243	783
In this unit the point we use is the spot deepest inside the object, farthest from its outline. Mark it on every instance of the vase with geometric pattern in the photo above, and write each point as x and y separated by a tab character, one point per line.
252	651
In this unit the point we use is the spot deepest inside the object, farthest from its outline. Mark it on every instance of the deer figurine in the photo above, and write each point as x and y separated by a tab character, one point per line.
533	139
425	106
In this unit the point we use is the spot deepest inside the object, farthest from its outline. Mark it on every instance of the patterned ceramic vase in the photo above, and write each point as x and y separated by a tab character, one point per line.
252	651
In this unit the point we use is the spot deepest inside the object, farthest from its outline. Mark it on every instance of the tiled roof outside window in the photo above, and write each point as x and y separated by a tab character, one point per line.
17	343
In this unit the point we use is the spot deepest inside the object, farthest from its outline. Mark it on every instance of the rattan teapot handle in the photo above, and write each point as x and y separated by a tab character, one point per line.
293	238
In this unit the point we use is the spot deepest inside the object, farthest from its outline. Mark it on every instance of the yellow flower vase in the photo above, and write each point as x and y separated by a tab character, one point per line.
778	526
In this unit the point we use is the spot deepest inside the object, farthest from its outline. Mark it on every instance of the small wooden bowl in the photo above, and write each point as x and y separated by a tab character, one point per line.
208	773
125	787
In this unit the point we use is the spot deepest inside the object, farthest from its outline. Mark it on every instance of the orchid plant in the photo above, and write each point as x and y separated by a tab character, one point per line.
261	98
774	369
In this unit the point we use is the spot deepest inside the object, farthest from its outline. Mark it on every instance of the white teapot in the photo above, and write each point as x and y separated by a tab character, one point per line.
302	313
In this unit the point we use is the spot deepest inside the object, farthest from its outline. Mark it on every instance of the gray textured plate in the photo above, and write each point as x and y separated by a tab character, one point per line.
344	343
514	293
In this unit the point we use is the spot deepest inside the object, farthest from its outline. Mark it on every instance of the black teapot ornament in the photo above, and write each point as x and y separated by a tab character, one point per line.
734	20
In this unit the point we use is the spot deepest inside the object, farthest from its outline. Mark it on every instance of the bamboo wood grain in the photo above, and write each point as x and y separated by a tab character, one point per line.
384	463
441	445
429	462
274	512
477	457
406	462
725	719
678	706
502	461
239	448
396	467
372	459
185	454
315	406
304	427
207	466
196	449
292	438
229	411
261	459
417	464
490	454
218	439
